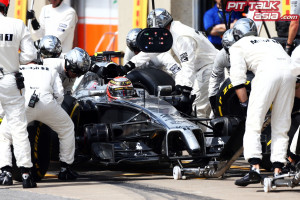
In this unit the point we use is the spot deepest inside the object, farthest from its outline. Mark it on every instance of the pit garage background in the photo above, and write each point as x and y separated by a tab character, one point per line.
104	24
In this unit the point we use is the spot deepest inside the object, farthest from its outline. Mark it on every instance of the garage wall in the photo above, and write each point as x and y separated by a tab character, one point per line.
183	11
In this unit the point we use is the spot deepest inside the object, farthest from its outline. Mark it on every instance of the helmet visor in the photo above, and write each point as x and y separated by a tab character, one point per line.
122	92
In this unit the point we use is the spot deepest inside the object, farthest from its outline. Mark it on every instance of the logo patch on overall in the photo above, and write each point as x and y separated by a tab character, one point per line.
184	57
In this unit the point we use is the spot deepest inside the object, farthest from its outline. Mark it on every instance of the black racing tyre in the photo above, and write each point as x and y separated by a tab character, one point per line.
227	100
149	79
68	103
39	138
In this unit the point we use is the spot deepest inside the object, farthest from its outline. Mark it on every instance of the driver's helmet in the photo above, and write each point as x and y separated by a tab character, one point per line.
120	87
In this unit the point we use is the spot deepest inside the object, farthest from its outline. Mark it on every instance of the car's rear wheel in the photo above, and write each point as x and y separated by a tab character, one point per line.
150	79
228	105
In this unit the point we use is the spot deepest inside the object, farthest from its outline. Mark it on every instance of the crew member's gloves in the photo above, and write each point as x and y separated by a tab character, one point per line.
244	107
99	70
31	15
105	72
123	70
288	49
186	101
177	90
213	104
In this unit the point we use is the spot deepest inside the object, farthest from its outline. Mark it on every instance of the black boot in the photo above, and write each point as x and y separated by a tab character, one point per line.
251	178
66	174
28	181
6	178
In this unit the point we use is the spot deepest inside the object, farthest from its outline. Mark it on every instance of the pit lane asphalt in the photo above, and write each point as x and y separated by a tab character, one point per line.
98	183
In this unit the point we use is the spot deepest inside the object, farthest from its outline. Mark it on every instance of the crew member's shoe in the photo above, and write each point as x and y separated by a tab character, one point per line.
6	178
28	181
66	174
251	178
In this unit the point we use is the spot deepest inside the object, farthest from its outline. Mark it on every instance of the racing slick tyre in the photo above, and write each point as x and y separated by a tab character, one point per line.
228	105
39	138
68	103
227	100
149	79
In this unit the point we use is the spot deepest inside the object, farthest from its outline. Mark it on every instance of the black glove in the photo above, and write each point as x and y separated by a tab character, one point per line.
105	72
99	70
35	24
213	104
177	90
244	107
30	14
186	101
19	80
123	70
288	49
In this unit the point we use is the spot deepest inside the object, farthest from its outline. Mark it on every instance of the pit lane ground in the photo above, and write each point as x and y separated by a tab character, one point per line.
97	183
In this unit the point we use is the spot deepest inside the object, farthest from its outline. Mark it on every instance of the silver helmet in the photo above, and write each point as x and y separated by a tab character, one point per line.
228	39
244	27
162	18
50	47
77	61
131	39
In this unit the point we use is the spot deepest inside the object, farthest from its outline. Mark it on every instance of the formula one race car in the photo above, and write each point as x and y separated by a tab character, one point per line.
144	129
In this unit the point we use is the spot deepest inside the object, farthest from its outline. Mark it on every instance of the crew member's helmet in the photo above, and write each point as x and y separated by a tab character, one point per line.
131	39
77	61
162	18
120	87
244	27
50	47
228	39
5	5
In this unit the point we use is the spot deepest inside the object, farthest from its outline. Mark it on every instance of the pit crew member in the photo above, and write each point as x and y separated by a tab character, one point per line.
58	19
220	69
273	84
14	36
